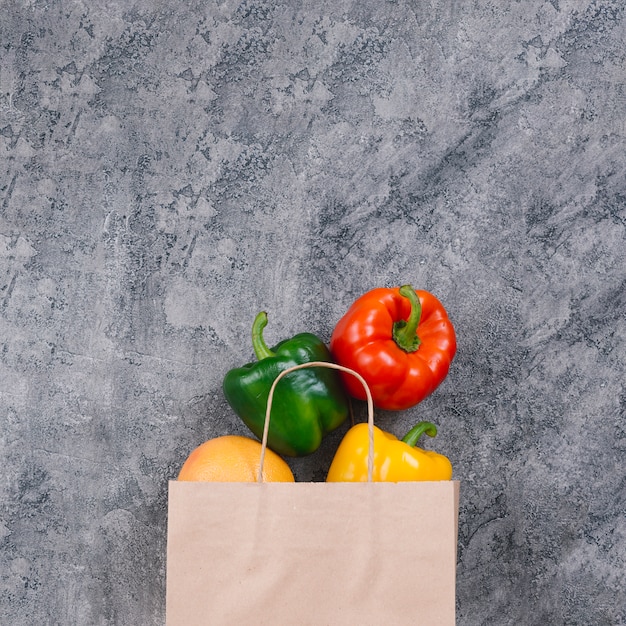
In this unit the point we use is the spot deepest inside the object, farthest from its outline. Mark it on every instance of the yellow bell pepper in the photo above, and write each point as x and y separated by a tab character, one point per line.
394	460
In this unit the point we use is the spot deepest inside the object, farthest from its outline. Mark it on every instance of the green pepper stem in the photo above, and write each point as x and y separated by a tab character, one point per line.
412	437
258	343
405	332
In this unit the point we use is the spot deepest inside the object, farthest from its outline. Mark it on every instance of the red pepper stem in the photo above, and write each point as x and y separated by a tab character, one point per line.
412	437
405	331
258	343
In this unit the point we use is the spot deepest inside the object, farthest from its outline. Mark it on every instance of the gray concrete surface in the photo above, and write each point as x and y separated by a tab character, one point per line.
170	169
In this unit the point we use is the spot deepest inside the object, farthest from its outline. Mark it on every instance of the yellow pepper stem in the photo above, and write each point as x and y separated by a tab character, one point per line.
421	428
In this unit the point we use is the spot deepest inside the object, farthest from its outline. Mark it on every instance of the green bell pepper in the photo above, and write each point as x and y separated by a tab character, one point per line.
307	404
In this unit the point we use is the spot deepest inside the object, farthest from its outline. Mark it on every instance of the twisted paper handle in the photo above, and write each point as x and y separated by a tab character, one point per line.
334	366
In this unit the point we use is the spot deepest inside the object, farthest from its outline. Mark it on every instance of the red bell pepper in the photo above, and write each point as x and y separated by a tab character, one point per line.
400	340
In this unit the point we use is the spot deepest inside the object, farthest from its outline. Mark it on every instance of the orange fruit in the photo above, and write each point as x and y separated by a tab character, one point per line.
232	458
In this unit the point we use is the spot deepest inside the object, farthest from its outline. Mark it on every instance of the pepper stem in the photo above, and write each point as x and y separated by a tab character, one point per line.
258	343
412	437
405	331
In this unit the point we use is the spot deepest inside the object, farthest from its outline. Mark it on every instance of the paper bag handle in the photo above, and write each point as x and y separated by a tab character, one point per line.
370	412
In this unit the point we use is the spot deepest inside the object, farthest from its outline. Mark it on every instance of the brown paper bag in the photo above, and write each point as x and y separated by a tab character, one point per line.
311	553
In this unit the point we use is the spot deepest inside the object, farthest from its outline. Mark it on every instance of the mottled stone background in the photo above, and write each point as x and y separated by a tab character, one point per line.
171	168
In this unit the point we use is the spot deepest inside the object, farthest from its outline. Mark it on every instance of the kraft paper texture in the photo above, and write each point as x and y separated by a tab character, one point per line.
312	553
